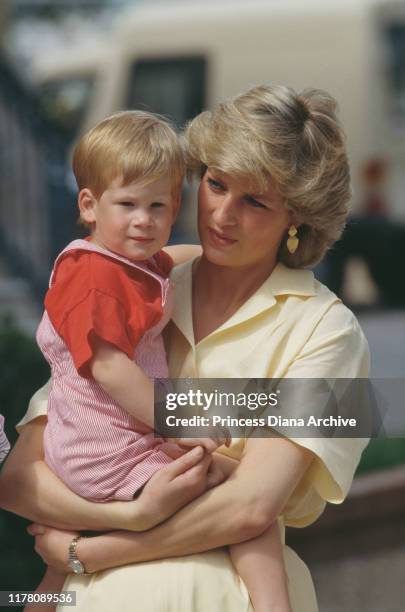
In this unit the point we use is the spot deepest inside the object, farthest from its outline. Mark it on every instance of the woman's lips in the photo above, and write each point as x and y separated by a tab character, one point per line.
220	239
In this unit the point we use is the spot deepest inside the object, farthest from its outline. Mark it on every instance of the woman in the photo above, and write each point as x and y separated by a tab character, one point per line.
272	198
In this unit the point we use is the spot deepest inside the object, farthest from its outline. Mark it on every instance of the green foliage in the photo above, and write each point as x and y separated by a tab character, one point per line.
381	454
23	371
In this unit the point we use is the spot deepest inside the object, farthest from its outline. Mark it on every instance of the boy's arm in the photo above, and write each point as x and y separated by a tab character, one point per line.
124	380
134	392
183	252
129	386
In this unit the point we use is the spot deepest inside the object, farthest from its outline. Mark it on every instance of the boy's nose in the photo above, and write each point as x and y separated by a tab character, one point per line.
142	219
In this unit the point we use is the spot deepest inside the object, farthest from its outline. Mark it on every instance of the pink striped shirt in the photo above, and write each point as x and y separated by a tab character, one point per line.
99	450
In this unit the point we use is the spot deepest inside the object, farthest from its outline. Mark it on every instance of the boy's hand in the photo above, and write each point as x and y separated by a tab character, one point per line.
215	437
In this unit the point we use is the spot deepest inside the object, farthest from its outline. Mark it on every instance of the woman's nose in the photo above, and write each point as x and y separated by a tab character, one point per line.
225	210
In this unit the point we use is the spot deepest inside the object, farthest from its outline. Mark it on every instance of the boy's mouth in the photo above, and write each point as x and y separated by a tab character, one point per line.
141	239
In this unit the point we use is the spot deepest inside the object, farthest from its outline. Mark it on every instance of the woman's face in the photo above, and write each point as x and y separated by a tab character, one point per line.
238	227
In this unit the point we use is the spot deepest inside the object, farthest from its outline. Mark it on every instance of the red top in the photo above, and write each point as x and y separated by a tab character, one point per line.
94	295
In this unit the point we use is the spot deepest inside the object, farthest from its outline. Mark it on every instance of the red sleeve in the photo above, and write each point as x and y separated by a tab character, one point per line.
164	263
95	296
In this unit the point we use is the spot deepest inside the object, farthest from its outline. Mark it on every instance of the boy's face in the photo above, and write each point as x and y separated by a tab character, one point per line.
134	220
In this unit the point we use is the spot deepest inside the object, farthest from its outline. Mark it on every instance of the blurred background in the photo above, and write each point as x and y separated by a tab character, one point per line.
65	64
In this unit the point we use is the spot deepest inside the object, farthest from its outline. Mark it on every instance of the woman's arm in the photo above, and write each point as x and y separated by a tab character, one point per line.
238	510
29	488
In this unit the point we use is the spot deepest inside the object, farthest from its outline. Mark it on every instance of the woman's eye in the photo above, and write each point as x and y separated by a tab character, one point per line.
216	185
254	203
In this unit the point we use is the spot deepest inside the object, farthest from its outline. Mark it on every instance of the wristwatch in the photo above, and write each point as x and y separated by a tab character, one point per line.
75	565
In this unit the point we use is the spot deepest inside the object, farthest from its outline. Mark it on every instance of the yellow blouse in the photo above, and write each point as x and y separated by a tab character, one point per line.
293	326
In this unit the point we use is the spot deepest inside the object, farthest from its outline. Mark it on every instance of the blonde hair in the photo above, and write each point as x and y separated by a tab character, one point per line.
133	144
296	139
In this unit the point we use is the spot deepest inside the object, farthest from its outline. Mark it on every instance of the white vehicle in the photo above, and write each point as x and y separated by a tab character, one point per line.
177	58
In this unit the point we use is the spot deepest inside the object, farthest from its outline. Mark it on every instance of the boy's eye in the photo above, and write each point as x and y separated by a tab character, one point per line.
126	204
157	204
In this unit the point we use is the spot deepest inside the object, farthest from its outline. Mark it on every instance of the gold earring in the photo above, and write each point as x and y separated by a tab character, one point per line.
293	241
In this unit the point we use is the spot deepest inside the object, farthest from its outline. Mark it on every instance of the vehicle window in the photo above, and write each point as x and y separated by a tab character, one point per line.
65	101
173	87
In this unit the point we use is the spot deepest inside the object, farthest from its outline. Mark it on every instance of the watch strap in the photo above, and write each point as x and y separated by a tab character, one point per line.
73	561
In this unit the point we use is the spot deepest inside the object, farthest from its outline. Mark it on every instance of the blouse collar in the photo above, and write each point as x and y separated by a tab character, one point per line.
282	281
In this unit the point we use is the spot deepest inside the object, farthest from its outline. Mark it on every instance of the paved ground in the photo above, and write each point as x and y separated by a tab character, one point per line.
365	583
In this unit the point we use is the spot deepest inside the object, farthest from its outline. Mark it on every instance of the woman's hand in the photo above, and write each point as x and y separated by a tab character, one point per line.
169	489
52	545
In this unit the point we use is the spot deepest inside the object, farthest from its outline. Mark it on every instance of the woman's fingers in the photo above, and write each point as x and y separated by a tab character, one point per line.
214	476
35	529
192	482
185	462
175	485
52	545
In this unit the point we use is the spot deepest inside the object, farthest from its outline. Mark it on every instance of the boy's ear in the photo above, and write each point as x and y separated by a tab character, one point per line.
87	206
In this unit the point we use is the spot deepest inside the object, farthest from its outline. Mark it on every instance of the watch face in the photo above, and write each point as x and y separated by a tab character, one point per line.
76	566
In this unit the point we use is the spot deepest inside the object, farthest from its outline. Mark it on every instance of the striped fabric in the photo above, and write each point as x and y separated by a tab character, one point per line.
4	443
99	450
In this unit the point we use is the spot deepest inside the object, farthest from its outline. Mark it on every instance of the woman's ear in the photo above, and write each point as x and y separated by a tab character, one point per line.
87	206
294	221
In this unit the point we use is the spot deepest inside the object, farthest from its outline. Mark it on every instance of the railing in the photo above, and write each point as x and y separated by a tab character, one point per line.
37	210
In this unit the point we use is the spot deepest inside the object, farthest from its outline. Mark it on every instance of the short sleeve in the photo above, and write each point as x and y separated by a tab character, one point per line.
96	297
37	407
99	316
336	349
